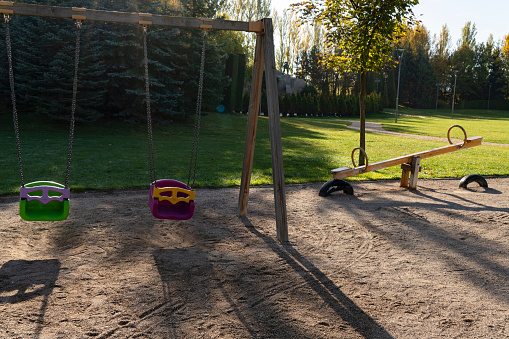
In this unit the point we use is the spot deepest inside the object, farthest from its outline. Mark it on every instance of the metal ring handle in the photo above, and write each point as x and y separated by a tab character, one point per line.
464	133
365	156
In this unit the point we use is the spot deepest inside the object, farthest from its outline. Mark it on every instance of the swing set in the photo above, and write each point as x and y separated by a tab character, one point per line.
168	199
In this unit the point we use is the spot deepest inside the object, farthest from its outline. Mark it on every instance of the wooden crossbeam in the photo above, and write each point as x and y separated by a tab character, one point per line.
8	7
345	172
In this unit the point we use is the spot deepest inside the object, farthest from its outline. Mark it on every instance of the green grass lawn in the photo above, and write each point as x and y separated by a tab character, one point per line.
491	125
111	155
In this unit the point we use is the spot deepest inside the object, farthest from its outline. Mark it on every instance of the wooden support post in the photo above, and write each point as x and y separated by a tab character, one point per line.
410	173
275	131
405	175
252	122
265	57
414	173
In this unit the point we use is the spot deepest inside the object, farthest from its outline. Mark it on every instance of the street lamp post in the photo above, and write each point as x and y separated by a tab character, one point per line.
436	106
454	94
400	58
377	82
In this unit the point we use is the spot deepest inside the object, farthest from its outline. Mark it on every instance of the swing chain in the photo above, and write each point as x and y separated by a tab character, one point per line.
7	19
194	151
149	111
74	94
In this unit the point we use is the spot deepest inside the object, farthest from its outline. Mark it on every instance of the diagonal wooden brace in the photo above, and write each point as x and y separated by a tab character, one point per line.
410	173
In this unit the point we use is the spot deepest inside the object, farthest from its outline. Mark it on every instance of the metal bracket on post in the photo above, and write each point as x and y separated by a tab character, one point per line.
256	26
6	11
145	22
79	17
206	26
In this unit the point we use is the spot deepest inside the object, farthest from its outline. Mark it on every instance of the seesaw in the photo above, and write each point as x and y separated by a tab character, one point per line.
410	165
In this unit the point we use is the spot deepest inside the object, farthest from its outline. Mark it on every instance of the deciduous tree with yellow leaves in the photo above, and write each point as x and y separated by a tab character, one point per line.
361	36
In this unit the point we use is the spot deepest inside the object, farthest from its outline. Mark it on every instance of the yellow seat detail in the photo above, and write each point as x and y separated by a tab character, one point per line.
156	194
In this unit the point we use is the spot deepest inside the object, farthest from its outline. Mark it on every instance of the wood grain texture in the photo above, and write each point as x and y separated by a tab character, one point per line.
252	122
128	18
275	132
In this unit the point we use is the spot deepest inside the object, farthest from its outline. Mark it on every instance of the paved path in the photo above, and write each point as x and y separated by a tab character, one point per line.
375	127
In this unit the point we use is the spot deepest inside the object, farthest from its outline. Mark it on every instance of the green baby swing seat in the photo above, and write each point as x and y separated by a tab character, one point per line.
44	201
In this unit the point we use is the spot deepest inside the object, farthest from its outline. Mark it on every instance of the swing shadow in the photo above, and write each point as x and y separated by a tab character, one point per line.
191	270
29	279
324	287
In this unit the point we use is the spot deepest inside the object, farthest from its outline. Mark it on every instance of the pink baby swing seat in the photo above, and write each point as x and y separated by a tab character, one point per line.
171	199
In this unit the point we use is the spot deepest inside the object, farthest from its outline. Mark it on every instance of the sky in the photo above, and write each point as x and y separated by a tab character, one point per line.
489	16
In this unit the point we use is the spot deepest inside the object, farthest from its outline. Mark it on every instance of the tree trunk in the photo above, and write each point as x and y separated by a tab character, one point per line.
362	105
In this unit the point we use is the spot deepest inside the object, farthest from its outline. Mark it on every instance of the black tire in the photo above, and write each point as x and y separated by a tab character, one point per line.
467	179
335	185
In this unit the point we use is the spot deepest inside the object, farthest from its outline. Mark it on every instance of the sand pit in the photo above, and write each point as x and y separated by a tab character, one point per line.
385	263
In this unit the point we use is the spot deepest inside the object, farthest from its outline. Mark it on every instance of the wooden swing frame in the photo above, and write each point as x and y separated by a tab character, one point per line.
264	60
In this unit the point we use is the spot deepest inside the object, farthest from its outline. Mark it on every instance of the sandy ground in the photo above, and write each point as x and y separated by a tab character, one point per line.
384	263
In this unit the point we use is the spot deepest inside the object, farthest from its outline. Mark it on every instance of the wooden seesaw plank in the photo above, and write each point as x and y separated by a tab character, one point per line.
345	172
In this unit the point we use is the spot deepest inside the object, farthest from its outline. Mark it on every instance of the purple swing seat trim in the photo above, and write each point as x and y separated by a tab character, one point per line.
45	198
170	207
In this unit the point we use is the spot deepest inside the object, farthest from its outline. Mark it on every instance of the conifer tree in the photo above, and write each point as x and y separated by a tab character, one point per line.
370	83
187	61
391	88
44	54
299	104
111	76
123	54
